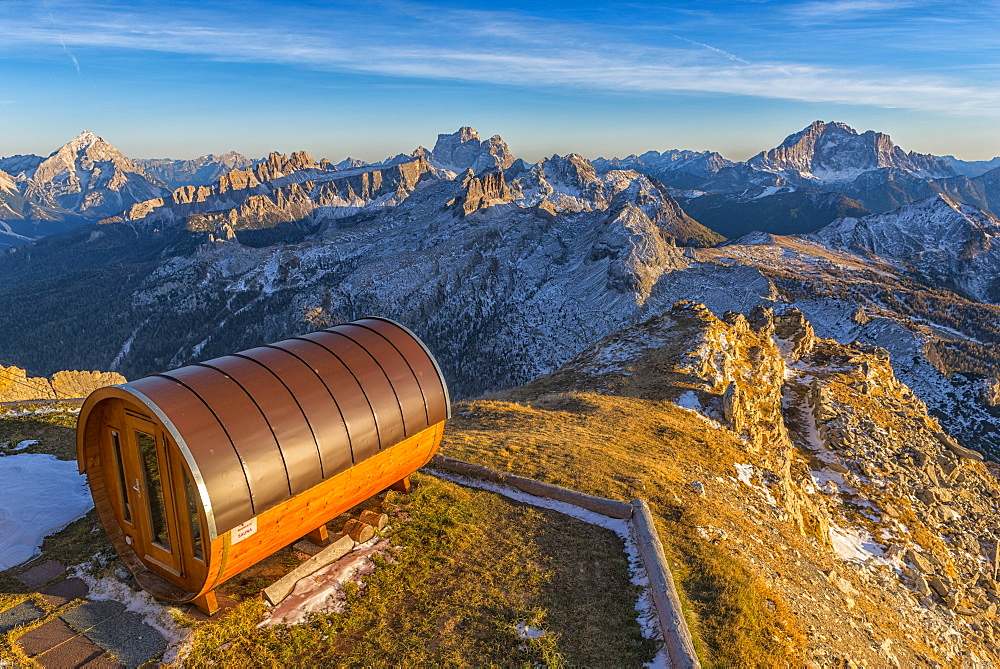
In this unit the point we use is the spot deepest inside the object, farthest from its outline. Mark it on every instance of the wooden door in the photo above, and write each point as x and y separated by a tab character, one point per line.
154	500
149	477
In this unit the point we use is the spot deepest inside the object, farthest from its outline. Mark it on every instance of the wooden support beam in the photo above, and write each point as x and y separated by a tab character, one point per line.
207	603
402	485
320	536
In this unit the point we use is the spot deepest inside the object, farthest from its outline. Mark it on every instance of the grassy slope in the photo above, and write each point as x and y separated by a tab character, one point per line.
624	447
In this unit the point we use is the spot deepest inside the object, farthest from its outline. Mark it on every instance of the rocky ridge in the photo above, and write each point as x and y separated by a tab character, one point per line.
948	244
279	189
898	520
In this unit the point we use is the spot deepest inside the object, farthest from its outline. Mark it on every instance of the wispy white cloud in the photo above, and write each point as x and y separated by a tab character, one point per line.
822	11
510	49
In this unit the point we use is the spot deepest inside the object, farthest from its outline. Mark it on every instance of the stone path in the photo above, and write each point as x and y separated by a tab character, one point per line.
93	634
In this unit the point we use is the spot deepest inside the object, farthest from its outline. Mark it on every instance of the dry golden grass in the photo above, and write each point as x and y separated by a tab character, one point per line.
627	447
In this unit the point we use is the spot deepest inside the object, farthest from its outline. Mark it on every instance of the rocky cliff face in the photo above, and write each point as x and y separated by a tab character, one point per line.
16	385
895	515
463	150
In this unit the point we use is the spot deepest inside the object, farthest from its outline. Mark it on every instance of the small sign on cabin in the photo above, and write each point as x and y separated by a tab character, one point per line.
242	531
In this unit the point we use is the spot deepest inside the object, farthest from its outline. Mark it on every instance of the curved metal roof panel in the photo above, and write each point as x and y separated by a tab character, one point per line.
260	426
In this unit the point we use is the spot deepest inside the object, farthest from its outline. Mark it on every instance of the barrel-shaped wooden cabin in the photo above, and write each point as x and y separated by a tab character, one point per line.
200	472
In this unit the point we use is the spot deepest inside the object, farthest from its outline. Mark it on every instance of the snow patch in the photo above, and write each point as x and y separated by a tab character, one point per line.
745	473
689	401
21	445
858	545
39	495
38	411
526	631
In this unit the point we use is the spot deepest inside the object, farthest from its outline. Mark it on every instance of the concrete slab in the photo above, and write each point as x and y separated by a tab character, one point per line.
41	574
65	591
25	612
91	614
130	640
46	637
75	652
278	590
307	547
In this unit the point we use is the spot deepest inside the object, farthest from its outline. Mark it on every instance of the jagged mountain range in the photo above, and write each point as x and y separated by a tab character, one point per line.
506	272
195	172
88	179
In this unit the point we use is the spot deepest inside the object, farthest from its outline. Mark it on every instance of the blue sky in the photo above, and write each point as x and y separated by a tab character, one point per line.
370	79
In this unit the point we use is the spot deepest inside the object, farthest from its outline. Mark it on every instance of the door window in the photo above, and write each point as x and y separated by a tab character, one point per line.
116	448
154	489
192	509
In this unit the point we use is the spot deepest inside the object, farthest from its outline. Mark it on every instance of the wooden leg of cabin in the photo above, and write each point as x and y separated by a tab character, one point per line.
207	603
402	485
320	536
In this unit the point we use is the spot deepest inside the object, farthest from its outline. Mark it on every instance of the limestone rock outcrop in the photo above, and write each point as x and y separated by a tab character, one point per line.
16	385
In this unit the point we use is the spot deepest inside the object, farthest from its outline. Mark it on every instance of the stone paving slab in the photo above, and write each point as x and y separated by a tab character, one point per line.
46	637
23	613
130	640
66	591
91	614
79	651
41	574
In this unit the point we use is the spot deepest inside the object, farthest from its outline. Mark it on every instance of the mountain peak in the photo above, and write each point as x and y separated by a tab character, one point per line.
820	127
82	141
834	151
91	177
463	150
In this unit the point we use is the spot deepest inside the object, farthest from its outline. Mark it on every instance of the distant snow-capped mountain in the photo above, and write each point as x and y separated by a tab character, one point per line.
677	168
88	176
20	165
972	168
837	152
